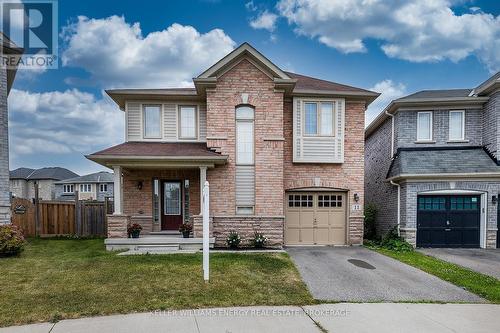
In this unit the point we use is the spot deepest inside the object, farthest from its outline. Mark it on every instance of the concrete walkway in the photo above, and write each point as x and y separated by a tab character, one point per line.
341	317
486	261
356	274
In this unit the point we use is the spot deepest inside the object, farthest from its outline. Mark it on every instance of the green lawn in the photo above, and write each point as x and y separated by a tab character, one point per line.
55	279
483	285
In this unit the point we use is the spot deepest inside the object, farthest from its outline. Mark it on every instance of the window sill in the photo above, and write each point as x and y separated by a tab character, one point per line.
424	141
457	141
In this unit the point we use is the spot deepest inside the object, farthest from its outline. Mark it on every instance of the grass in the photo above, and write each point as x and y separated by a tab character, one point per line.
483	285
59	279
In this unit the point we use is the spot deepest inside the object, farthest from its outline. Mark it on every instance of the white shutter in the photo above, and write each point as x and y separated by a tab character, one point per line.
170	122
245	185
134	127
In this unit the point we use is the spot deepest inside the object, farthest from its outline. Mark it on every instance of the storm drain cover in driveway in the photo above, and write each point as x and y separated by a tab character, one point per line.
360	263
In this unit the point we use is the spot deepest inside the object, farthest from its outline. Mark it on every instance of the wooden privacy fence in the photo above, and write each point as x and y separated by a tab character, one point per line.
51	218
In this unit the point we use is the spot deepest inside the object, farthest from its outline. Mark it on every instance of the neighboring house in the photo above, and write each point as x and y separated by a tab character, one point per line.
7	76
95	186
432	166
283	154
22	182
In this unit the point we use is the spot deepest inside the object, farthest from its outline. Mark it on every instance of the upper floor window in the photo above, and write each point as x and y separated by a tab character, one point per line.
85	188
244	135
188	122
457	125
68	188
103	187
424	126
318	118
152	121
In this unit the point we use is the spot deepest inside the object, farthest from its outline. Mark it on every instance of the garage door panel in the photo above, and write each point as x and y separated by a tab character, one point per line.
292	236
448	221
319	217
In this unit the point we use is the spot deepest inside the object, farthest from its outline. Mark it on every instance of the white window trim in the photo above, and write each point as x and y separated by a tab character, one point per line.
318	118
244	120
238	210
463	125
431	126
143	119
70	186
83	188
196	119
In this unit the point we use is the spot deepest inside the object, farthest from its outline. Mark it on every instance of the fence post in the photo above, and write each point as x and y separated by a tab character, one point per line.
206	234
37	211
78	220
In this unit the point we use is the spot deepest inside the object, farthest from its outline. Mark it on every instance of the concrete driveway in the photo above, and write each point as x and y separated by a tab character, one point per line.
486	261
361	275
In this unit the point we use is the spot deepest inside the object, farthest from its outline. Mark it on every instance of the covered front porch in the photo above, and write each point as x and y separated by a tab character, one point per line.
157	185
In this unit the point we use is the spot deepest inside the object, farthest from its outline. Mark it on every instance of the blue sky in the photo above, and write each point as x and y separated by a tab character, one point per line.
394	47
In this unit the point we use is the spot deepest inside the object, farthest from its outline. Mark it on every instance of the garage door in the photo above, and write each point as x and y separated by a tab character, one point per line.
315	218
448	221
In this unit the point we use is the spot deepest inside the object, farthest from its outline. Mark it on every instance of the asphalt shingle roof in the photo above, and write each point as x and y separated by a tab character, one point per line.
444	93
436	161
311	83
55	173
192	149
98	177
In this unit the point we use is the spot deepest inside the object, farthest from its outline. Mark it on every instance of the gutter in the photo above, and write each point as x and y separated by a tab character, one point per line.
399	206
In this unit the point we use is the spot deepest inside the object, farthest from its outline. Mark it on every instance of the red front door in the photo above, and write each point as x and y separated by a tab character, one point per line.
171	216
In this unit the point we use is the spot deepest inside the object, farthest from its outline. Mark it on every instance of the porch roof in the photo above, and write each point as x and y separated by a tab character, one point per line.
158	154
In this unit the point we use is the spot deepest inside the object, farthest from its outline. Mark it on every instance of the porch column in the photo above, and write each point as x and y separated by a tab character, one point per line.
203	178
117	190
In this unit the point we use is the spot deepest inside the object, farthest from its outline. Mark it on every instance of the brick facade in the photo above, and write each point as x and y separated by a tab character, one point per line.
274	170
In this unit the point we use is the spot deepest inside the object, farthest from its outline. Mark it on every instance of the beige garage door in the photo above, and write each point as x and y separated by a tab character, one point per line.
315	218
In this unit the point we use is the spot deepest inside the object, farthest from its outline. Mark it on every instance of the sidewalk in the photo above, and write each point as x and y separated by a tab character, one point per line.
341	317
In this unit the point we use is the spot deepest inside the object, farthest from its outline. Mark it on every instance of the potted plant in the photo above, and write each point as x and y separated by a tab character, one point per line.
134	230
233	240
185	229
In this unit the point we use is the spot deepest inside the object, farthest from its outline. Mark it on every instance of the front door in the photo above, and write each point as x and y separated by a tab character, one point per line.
171	205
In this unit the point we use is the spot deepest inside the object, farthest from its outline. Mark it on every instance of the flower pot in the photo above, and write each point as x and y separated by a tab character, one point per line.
135	234
185	234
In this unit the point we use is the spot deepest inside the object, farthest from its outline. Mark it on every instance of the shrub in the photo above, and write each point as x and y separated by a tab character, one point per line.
186	227
393	242
370	216
233	240
259	240
11	240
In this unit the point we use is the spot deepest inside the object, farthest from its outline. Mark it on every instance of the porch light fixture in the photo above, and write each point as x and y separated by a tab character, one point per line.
494	199
139	185
356	197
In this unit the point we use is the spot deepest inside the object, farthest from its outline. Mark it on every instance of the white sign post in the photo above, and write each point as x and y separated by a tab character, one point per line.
206	234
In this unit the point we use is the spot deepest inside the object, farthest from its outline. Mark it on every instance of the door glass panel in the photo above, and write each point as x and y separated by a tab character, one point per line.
431	203
463	203
172	199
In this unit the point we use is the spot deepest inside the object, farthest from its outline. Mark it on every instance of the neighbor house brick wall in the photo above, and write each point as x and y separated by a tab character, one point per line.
378	191
4	150
138	203
406	123
19	188
348	175
221	134
491	123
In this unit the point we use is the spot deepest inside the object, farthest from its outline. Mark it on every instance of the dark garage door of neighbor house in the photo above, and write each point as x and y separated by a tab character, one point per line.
448	220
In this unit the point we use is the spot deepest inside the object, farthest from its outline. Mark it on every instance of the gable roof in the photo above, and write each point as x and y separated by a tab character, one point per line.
419	162
431	94
240	51
55	173
488	86
98	177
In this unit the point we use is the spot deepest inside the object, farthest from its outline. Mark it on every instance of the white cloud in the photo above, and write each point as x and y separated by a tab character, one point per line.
265	20
418	31
116	54
389	90
60	123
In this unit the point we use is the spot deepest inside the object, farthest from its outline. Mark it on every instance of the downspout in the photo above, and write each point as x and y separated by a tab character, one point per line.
392	182
399	206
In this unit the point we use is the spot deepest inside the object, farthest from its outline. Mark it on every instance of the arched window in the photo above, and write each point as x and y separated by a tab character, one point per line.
245	168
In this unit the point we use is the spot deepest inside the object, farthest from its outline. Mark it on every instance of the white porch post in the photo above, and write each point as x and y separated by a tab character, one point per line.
118	192
203	179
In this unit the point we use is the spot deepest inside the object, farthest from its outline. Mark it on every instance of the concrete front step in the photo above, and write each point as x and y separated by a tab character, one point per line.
156	242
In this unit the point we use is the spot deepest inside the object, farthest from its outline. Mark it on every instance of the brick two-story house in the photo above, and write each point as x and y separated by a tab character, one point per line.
432	166
283	154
